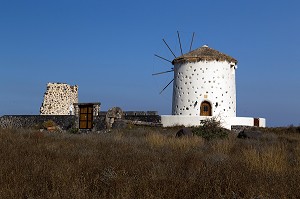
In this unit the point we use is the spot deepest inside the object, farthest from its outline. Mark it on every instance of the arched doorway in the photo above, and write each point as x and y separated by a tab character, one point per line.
205	109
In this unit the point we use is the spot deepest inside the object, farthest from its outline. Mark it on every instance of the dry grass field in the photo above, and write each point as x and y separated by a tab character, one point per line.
145	162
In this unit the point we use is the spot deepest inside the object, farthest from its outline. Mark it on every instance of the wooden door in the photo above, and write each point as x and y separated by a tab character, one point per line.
256	122
205	109
86	117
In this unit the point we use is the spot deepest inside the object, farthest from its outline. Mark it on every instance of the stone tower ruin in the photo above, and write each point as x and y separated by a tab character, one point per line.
59	99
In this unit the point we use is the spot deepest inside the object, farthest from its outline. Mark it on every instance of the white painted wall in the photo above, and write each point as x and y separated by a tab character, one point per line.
210	81
243	121
226	122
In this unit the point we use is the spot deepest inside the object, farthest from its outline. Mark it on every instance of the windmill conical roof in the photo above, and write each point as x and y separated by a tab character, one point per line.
204	53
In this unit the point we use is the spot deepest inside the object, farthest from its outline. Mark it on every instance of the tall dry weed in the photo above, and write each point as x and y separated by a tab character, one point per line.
156	140
119	136
145	163
223	146
271	158
184	143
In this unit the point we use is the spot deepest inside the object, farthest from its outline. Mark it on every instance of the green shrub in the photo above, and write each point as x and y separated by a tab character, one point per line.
73	130
211	129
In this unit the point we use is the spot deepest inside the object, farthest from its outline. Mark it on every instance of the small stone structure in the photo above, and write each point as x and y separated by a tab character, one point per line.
59	99
96	108
112	115
86	114
61	107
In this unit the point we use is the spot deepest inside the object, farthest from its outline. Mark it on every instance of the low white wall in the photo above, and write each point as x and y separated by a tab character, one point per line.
226	122
262	122
179	120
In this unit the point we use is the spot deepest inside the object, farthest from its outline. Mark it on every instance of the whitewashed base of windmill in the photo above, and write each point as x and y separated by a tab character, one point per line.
226	122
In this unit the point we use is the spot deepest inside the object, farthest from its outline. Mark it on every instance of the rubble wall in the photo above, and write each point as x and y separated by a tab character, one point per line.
36	121
66	122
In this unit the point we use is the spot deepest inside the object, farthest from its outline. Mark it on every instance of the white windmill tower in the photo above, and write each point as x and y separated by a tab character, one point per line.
204	86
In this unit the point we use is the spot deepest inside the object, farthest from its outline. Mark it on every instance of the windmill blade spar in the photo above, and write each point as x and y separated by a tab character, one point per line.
163	72
166	86
162	58
169	48
179	43
192	41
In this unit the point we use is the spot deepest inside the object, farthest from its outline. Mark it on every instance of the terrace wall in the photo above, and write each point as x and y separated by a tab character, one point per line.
66	122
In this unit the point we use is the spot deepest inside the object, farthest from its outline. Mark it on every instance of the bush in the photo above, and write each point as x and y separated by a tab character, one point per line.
73	130
49	123
211	129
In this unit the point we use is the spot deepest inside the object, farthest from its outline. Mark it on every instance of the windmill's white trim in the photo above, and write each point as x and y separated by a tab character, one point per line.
226	122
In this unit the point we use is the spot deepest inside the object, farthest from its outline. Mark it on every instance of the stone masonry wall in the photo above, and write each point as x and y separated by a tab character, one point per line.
36	121
59	99
66	122
144	116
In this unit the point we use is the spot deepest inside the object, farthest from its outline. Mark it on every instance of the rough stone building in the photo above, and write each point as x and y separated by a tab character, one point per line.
59	99
87	114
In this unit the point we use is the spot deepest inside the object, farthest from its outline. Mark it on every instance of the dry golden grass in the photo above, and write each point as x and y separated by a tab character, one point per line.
223	146
148	163
268	159
155	139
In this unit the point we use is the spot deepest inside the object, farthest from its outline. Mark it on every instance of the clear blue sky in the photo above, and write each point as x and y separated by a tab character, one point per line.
107	47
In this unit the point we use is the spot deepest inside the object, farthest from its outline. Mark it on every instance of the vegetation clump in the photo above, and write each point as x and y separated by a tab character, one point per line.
146	162
211	129
49	123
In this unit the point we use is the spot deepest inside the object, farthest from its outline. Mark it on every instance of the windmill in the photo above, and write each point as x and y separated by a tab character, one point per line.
203	87
167	60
